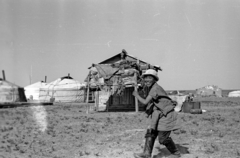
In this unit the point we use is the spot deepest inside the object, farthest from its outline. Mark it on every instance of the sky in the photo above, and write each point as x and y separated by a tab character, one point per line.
196	42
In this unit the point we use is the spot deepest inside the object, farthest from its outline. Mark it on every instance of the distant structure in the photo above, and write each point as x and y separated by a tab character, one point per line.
10	92
32	91
210	90
62	90
234	94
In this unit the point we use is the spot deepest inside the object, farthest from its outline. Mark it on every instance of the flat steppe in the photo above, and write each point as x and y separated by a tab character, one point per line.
66	131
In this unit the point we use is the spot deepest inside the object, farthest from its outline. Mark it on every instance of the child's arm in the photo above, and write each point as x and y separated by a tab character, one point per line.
142	100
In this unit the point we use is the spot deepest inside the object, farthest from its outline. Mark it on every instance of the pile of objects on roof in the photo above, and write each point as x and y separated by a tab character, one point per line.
116	76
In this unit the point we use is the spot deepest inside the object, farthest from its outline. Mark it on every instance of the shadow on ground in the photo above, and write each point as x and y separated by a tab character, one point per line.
164	151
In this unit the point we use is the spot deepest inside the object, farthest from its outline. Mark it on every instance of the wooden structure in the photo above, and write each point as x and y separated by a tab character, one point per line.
120	75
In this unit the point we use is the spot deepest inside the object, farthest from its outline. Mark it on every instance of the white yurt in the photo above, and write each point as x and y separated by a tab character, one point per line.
32	91
234	94
64	89
210	90
10	92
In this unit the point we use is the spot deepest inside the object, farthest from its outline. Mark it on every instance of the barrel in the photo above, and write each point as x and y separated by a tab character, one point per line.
196	111
187	106
196	105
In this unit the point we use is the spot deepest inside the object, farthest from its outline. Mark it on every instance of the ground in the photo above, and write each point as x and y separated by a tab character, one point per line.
66	131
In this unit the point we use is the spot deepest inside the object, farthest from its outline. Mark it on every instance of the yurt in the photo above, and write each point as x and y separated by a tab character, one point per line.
9	92
32	91
234	94
64	89
210	90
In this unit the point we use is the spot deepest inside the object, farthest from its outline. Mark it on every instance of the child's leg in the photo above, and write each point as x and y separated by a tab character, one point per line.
154	119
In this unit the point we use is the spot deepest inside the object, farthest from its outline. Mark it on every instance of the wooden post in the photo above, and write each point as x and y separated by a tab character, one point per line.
97	100
135	89
87	100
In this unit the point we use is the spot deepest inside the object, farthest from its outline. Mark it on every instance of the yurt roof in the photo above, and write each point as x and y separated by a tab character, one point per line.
6	84
238	91
64	83
36	85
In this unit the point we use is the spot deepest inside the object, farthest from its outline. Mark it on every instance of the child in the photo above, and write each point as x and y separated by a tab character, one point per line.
157	109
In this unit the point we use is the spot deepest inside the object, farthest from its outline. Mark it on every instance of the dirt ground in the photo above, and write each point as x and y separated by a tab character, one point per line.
66	131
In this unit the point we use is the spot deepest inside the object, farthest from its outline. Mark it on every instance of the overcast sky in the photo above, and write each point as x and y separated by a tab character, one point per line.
196	42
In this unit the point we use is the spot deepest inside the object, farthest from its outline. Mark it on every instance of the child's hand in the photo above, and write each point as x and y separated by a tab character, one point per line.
135	93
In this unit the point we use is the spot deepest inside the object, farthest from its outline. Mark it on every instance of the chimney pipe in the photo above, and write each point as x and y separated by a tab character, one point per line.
45	79
3	73
68	75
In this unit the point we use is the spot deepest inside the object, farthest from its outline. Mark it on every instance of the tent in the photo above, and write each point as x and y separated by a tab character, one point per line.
209	90
64	89
234	94
32	91
10	92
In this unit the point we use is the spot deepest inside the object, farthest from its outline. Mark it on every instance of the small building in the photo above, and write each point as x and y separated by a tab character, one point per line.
113	80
